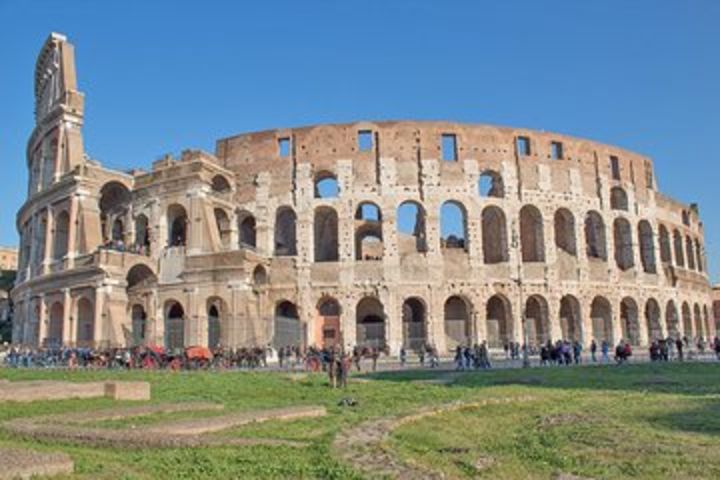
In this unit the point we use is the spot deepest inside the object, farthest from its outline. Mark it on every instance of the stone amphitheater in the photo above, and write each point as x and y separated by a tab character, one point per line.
384	234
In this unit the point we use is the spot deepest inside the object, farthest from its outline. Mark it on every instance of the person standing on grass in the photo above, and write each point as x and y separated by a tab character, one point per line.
593	351
605	349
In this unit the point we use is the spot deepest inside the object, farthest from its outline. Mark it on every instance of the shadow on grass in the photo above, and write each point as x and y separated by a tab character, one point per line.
703	418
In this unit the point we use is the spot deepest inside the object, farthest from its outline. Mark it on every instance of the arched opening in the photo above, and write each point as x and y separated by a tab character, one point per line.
565	231
622	234
647	246
414	325
140	277
368	232
54	336
595	236
62	231
699	329
411	228
139	324
453	225
458	322
114	203
491	184
570	320
85	323
690	253
672	320
220	184
498	321
118	231
247	236
699	256
289	330
174	326
687	323
494	235
326	185
142	235
678	245
537	320
665	252
222	222
326	235
532	238
214	325
370	320
259	276
652	318
601	317
177	221
330	334
285	232
629	321
618	199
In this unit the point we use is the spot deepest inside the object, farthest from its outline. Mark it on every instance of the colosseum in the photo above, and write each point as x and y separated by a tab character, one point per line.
384	234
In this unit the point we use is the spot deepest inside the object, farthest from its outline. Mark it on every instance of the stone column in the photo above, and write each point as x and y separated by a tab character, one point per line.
99	323
69	334
72	231
49	241
42	321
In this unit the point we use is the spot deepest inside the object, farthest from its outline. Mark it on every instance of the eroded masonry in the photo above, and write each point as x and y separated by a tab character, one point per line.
390	233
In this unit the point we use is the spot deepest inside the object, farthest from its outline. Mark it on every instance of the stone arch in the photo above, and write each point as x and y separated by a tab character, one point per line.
490	184
139	324
370	321
570	319
285	232
217	320
699	329
601	316
411	227
678	247
652	318
247	229
618	199
177	221
494	235
622	234
565	231
220	184
288	329
665	249
532	238
687	323
326	185
689	253
595	240
453	225
222	222
368	232
174	325
647	246
260	276
672	321
629	321
458	321
414	314
329	332
142	234
139	277
54	337
326	234
114	202
498	321
537	320
85	322
117	233
61	235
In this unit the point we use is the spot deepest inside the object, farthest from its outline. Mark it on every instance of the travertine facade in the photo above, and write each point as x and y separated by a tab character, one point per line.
384	233
8	258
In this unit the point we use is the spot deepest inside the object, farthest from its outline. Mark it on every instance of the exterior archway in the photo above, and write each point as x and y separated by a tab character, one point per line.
672	320
629	321
214	323
329	332
285	232
498	321
622	233
220	184
595	238
570	319
532	238
687	322
458	322
678	247
326	185
259	276
601	316
618	199
142	234
174	326
247	230
689	252
537	320
54	336
491	184
411	228
61	235
565	231
368	232
139	324
85	323
414	324
652	317
370	320
177	220
494	235
326	235
665	250
647	246
288	329
700	332
113	205
222	222
453	226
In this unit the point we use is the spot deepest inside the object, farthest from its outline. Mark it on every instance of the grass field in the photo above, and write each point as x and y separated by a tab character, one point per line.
638	421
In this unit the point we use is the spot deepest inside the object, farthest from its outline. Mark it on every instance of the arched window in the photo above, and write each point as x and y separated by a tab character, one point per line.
690	252
652	318
222	222
494	235
647	246
220	184
565	231
329	333
62	231
665	251
453	225
595	236
601	316
118	230
114	203
285	232
532	238
54	336
622	233
491	184
414	331
699	256
498	321
326	185
140	277
458	326
629	321
139	323
570	321
368	232
687	323
247	231
618	199
678	244
326	235
85	322
259	276
142	234
370	321
411	227
174	326
537	320
672	320
214	326
177	221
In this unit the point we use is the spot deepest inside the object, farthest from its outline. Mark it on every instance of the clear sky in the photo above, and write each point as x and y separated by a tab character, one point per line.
162	76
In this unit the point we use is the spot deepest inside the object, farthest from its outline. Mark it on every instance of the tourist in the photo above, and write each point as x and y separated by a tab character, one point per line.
593	351
605	349
679	348
577	352
403	356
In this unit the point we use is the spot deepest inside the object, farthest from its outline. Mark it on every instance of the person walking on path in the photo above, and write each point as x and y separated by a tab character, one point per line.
605	348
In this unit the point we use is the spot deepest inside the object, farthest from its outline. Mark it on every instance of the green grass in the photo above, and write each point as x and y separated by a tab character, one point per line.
639	421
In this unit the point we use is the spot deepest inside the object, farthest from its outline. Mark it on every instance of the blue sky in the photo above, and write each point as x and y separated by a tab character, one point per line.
161	76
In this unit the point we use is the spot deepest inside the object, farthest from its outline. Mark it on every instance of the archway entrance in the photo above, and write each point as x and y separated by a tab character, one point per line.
458	329
174	326
139	322
570	323
537	321
370	319
289	329
629	321
414	330
498	322
327	331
